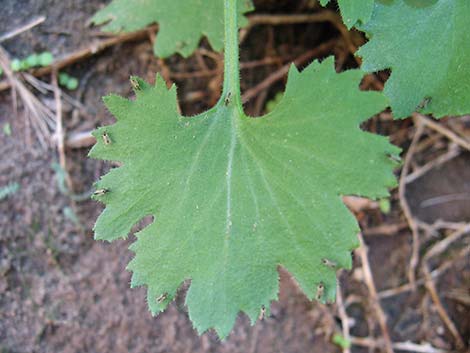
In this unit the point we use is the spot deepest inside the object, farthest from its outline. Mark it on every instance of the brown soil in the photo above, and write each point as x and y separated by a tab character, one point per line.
60	291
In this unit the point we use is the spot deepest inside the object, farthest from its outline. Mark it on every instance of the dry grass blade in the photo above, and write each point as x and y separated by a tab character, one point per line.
81	54
38	115
59	132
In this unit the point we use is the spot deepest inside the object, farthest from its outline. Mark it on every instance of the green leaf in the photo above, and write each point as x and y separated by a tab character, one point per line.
32	60
354	11
428	50
7	129
15	65
8	190
64	78
234	197
72	84
24	65
385	206
181	23
46	58
341	341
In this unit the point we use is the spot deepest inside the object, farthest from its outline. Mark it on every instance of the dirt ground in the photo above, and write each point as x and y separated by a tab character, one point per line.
60	291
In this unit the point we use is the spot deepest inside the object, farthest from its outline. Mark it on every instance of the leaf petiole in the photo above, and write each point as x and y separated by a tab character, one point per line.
231	89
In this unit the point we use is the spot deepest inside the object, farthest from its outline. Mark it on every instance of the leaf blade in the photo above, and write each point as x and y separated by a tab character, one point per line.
431	68
175	35
234	197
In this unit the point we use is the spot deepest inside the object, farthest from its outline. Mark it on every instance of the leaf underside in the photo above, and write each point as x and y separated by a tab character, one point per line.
234	197
426	44
354	11
181	23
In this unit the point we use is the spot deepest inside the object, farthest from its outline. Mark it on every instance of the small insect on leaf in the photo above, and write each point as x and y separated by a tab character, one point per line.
162	298
228	98
135	84
106	138
262	313
329	263
320	291
100	192
424	103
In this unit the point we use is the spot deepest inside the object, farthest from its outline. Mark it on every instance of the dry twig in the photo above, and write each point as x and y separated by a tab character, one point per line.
343	315
453	152
437	249
322	16
279	74
26	27
444	131
402	346
369	280
404	203
387	293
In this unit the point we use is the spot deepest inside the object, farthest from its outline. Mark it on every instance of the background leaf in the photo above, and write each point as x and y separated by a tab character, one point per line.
354	11
427	47
181	23
235	197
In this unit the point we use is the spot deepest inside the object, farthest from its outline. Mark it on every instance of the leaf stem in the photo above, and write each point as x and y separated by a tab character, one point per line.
231	89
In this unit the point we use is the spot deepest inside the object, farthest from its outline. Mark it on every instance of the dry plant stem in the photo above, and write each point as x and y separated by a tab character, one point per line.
343	316
449	155
280	74
80	139
402	346
85	53
385	229
59	131
22	29
442	246
404	203
37	114
438	225
243	66
438	249
276	20
434	274
44	88
323	16
369	280
444	131
431	287
437	200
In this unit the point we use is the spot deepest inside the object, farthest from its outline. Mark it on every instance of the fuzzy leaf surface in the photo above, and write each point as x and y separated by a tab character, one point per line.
426	44
181	23
354	11
234	197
